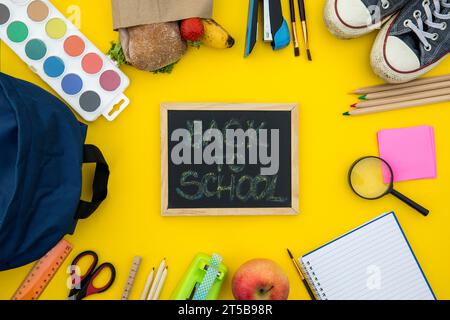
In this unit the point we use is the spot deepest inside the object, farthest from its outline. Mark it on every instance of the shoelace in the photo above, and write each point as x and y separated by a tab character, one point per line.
418	29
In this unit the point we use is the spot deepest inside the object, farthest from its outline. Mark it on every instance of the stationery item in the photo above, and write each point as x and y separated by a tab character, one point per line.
64	58
404	91
302	277
43	272
276	29
258	187
414	83
148	284
366	178
294	28
85	284
398	106
301	8
131	277
199	284
158	276
161	283
43	145
372	262
411	153
402	98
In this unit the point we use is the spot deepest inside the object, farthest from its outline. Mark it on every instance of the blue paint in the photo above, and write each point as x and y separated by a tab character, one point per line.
72	84
54	67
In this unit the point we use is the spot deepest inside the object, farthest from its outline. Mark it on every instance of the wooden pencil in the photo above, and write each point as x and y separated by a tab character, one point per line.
399	92
397	106
161	284
407	97
158	276
388	87
148	284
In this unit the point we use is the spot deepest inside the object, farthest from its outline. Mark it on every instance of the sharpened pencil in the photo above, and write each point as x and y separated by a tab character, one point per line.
406	97
161	284
414	83
399	92
158	276
148	284
302	277
397	106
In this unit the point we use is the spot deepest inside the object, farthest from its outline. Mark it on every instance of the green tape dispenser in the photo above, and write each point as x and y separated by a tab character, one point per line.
203	280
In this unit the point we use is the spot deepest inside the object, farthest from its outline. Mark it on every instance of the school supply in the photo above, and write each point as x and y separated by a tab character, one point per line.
411	153
64	58
148	284
161	283
372	262
158	277
276	29
367	180
131	277
43	272
203	280
84	284
398	105
301	8
40	172
414	83
294	28
302	277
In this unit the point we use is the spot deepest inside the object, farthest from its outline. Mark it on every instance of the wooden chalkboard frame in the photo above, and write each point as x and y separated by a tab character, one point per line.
291	107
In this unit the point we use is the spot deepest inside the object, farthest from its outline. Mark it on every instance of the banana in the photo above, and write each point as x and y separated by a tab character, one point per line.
216	36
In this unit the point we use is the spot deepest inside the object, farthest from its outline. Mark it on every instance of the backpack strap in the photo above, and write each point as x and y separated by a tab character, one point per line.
100	185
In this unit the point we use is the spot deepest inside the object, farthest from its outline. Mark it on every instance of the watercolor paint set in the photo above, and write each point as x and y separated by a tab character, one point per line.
64	58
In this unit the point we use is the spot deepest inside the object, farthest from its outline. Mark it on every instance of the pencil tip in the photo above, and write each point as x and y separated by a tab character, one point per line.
297	52
363	97
308	52
290	254
353	105
346	113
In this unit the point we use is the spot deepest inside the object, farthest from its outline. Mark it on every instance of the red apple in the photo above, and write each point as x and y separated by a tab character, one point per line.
260	279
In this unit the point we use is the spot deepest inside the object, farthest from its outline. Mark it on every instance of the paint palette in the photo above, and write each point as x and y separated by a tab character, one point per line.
64	58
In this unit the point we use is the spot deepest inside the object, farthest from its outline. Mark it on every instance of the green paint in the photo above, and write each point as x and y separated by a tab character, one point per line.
35	49
17	32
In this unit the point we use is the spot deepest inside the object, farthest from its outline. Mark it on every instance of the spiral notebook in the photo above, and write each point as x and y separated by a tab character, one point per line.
372	262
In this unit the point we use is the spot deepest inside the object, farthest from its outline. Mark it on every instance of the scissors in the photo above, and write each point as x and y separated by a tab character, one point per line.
83	286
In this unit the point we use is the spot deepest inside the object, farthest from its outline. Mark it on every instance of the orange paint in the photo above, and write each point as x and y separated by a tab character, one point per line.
92	63
74	46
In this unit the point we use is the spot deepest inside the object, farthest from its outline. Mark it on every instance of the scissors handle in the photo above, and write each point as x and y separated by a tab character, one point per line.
91	289
83	255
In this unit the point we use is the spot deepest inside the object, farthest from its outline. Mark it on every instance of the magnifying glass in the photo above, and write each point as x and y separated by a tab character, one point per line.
372	178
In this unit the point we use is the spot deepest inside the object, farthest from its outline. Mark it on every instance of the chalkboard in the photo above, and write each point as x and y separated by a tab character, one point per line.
229	159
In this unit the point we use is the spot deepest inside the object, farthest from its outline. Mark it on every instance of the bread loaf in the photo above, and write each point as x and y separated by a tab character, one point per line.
153	46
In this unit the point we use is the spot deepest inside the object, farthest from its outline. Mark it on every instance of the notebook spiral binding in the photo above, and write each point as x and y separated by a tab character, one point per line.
314	284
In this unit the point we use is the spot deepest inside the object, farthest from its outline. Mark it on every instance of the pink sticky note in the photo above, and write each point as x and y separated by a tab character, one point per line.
411	152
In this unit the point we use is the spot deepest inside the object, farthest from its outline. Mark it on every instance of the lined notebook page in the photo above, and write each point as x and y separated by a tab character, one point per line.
373	262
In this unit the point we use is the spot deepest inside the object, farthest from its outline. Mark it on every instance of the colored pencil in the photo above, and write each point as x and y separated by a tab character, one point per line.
398	105
294	29
409	90
301	8
388	87
161	284
407	97
302	277
148	284
157	280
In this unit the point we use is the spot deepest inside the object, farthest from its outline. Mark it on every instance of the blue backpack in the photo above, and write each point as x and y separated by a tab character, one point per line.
42	152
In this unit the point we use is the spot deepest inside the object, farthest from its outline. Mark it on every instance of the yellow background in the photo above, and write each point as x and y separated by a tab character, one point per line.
129	222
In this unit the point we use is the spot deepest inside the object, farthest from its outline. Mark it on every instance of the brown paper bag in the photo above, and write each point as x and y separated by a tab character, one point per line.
130	13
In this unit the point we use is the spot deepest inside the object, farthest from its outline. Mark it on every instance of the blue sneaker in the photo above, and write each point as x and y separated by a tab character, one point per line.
413	42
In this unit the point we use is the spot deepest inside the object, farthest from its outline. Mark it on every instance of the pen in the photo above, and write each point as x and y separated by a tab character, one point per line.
302	277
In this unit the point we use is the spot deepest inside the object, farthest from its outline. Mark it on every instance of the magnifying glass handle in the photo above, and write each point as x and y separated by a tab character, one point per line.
411	203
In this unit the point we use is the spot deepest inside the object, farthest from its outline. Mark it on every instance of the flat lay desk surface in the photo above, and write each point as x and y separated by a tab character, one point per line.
129	222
